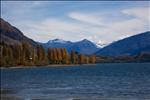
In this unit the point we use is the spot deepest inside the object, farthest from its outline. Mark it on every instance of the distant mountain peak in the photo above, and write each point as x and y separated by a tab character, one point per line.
85	40
128	46
84	46
101	45
57	41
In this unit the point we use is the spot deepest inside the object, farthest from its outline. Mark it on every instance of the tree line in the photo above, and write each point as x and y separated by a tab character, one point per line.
24	54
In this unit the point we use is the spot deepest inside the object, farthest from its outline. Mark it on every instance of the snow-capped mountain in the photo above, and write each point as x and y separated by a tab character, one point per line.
84	46
132	45
100	45
57	41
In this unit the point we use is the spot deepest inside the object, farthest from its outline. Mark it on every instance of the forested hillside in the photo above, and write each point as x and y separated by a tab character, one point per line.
18	50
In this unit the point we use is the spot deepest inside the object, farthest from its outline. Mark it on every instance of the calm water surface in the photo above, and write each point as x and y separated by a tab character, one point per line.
91	82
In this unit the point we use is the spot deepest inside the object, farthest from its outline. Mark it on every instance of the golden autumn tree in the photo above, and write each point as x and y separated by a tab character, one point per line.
59	55
81	59
92	59
86	60
65	58
55	56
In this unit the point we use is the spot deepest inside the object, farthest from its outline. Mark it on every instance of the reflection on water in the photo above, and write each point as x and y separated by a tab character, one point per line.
98	82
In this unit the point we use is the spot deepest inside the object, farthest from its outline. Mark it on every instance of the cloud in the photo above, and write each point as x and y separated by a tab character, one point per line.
53	28
138	23
46	20
126	28
89	18
141	12
87	26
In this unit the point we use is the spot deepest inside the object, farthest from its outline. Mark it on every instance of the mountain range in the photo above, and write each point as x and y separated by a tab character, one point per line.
12	35
132	45
84	46
128	46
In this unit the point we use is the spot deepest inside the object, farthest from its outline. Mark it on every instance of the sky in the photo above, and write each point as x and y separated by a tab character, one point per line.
99	21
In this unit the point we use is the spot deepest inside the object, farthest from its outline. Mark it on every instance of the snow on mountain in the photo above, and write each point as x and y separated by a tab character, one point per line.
84	46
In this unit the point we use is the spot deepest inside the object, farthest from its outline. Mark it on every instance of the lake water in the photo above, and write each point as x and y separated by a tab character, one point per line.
127	81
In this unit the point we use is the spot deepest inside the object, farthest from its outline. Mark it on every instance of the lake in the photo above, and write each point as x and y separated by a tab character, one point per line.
117	81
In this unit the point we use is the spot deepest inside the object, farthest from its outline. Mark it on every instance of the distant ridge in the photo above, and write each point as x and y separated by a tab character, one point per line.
84	46
128	46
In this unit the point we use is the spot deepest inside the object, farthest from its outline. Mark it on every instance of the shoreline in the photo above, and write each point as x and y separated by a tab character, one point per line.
46	66
62	65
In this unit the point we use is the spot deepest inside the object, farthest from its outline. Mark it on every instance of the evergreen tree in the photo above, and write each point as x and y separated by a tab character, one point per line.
17	53
41	55
50	55
7	56
33	56
26	54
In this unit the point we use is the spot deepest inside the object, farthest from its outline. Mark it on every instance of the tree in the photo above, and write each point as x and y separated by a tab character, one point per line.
92	59
81	59
41	55
17	53
73	57
59	57
1	55
26	54
33	56
65	58
86	60
55	56
50	55
7	55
